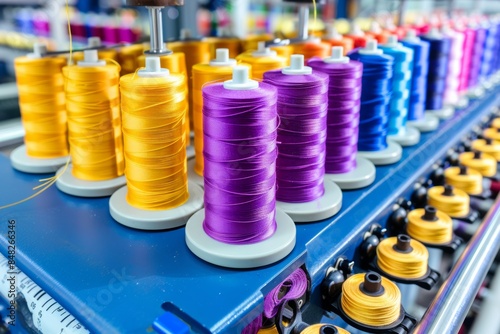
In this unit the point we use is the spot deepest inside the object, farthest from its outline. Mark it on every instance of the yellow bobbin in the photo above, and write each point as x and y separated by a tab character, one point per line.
363	301
175	62
453	202
316	329
468	180
492	133
104	54
261	64
402	257
487	146
284	51
251	42
483	163
495	123
430	226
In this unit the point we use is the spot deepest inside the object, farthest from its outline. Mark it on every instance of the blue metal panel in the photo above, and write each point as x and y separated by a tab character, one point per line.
115	279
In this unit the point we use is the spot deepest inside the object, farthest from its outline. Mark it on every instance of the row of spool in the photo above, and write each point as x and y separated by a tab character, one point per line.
399	259
358	107
137	125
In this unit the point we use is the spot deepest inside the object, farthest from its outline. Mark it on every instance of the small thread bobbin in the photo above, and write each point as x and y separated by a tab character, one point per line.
468	180
453	202
484	163
430	226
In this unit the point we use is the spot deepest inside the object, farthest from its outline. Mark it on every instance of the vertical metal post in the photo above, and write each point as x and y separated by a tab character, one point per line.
401	12
156	32
303	32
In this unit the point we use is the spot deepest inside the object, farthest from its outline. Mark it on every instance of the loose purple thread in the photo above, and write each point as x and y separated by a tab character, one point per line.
239	128
302	107
344	95
293	287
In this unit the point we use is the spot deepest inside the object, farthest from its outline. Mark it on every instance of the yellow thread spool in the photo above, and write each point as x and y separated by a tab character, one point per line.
94	123
487	146
154	140
434	229
371	310
268	330
492	133
313	48
402	257
284	51
262	60
175	63
127	58
233	44
315	329
470	181
251	42
483	163
196	52
453	202
104	54
496	123
42	103
219	70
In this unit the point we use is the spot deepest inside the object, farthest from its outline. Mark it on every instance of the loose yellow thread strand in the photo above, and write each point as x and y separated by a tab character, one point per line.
471	183
454	206
430	232
154	140
70	37
204	74
404	265
94	122
382	310
486	164
42	104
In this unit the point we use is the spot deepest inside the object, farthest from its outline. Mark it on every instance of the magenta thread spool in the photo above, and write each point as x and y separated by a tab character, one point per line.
475	89
342	164
451	92
302	192
469	37
240	226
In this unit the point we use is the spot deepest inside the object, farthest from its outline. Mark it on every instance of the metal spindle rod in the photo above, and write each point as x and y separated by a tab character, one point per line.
156	32
303	32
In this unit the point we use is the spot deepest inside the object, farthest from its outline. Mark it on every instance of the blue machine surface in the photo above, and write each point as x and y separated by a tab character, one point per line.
119	280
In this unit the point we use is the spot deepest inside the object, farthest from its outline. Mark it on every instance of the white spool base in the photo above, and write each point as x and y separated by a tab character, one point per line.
463	102
324	207
362	176
258	254
20	161
189	152
427	124
193	176
70	185
476	92
444	113
409	138
133	217
389	155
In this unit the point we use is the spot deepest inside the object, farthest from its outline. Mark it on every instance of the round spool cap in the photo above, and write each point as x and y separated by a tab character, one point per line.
332	33
133	217
153	69
20	161
258	254
429	123
297	66
240	80
371	48
387	156
222	58
91	59
362	176
94	42
322	208
193	176
411	36
392	42
71	185
39	50
409	137
356	30
337	56
263	51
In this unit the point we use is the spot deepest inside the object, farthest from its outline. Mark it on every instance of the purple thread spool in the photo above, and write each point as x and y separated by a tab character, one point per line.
342	165
300	168
240	226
